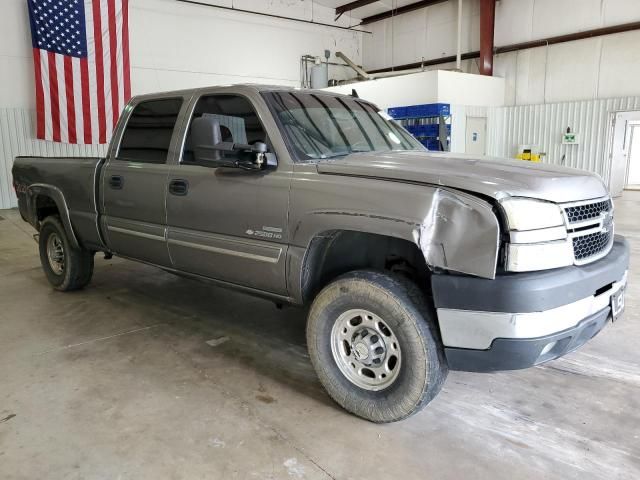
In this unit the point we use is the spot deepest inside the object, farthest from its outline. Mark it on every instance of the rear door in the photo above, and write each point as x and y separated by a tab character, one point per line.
226	223
134	180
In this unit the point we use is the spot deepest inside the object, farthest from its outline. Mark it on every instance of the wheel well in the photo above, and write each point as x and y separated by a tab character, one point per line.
44	207
334	253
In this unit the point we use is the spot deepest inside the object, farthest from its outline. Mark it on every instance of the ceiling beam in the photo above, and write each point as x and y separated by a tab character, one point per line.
271	15
426	63
347	7
400	10
545	42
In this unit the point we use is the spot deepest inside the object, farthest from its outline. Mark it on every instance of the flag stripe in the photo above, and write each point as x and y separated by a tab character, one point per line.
39	94
125	51
71	101
55	99
86	100
62	98
91	67
106	66
77	100
113	48
44	67
97	29
119	60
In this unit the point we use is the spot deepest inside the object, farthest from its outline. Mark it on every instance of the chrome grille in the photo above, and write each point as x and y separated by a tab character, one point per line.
590	227
587	211
591	245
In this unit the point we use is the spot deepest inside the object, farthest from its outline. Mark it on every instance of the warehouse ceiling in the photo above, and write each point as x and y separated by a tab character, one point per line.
368	8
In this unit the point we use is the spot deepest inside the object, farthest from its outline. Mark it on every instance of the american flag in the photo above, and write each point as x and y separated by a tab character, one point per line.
81	62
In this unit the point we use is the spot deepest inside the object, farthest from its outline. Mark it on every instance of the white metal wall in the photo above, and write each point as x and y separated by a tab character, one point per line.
17	127
543	125
600	67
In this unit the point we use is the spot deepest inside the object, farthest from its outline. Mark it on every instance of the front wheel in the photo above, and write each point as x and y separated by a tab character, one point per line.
66	268
373	343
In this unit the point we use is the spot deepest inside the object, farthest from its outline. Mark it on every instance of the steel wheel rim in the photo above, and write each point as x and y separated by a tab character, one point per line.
366	349
55	253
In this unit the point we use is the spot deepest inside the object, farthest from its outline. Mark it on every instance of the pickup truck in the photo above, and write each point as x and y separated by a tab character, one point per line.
412	262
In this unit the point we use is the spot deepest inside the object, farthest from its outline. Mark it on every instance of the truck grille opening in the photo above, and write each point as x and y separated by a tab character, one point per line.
588	211
591	229
591	245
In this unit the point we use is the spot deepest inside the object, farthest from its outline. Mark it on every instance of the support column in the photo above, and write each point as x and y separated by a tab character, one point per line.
487	27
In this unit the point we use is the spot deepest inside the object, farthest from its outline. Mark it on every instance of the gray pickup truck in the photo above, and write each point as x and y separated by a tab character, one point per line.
413	262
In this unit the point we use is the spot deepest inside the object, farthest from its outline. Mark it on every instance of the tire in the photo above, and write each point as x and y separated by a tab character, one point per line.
68	268
400	318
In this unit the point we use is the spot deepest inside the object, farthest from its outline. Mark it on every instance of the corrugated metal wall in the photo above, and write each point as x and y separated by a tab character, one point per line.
17	127
543	125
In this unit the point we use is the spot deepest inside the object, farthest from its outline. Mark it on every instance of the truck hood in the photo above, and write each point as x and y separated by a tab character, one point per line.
493	177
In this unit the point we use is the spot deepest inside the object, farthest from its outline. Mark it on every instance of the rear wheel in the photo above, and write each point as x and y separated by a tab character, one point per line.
66	268
373	343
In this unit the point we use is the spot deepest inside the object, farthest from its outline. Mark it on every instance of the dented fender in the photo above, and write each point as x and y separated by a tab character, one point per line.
460	233
454	230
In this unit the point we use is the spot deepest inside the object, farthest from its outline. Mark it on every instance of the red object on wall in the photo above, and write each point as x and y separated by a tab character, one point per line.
487	28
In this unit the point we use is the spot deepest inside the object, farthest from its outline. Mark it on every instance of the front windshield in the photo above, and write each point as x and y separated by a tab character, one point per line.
326	126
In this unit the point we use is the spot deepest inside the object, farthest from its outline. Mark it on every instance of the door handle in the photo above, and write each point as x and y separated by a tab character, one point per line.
116	182
179	187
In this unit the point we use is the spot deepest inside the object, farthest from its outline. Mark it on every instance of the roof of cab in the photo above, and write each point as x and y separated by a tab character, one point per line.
242	86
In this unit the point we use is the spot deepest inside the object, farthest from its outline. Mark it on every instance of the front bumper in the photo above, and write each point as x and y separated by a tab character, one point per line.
519	320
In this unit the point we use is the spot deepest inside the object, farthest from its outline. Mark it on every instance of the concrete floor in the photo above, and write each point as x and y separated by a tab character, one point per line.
118	382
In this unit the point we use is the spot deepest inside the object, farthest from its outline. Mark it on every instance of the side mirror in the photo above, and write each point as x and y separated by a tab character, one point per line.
263	158
210	150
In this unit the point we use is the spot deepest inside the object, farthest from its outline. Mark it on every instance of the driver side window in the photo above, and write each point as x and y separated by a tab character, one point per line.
239	122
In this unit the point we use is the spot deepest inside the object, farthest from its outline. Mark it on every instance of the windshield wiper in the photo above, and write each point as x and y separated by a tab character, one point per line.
344	154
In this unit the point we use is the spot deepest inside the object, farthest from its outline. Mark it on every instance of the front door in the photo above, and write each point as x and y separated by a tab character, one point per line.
633	170
134	182
226	223
619	155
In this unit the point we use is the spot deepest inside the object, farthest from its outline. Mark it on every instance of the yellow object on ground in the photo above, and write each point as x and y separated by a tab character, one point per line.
530	153
531	157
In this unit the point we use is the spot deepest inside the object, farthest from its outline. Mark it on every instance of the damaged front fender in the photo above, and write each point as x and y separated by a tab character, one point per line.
460	233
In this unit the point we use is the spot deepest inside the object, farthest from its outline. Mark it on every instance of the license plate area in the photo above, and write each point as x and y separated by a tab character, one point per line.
617	303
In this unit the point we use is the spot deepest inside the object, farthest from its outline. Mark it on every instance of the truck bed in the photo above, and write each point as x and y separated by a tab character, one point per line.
70	182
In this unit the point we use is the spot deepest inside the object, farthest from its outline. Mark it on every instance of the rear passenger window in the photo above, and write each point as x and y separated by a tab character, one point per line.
239	122
148	133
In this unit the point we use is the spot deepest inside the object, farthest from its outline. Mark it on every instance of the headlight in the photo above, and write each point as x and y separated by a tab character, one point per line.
527	257
527	214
